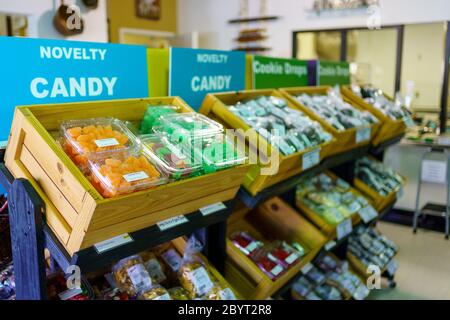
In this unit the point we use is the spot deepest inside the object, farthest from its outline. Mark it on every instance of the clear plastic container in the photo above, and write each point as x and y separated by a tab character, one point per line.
91	138
121	173
185	125
169	157
214	152
153	115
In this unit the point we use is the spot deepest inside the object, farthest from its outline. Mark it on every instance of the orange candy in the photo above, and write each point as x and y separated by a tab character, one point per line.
112	172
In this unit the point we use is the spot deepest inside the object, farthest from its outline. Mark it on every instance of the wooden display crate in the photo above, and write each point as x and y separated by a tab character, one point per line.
272	220
75	211
329	230
347	139
389	128
215	106
379	202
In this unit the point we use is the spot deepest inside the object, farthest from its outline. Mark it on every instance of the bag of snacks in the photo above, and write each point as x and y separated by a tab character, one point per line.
220	292
131	276
193	273
157	292
154	267
178	293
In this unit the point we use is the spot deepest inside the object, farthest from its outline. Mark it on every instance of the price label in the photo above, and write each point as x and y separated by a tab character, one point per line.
113	243
69	294
212	208
368	213
135	176
306	268
310	159
392	267
103	143
400	193
330	245
363	134
172	222
344	229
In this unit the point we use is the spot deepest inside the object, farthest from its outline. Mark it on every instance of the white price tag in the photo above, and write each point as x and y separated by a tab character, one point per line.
172	222
212	208
306	268
113	243
103	143
330	245
311	159
363	134
139	277
392	267
201	281
368	213
276	270
165	296
173	259
135	176
3	144
344	228
227	294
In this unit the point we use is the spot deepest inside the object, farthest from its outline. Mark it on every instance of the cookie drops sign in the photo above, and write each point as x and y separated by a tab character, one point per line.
195	73
38	71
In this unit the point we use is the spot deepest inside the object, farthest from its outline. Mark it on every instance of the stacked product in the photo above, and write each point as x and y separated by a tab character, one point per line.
334	110
329	279
378	177
375	97
371	248
289	130
117	162
330	198
7	283
163	274
273	258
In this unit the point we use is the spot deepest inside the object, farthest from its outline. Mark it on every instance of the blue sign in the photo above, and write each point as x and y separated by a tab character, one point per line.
40	71
194	73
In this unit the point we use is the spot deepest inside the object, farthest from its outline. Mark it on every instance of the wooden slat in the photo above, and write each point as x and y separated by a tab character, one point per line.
51	190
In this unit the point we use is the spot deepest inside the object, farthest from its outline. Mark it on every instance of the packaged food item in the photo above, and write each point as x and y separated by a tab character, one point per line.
338	113
393	109
219	292
131	276
316	276
7	283
378	176
285	128
193	273
121	174
284	253
153	115
157	292
154	268
213	153
327	292
179	293
268	264
92	138
302	287
330	198
245	242
182	126
170	157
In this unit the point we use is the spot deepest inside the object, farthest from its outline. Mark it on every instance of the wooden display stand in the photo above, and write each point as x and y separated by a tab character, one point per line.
216	107
75	211
272	220
389	128
347	139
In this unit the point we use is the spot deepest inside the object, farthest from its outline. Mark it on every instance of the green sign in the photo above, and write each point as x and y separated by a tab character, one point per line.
333	73
279	73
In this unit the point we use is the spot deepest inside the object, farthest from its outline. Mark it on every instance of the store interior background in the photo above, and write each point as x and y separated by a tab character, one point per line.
205	24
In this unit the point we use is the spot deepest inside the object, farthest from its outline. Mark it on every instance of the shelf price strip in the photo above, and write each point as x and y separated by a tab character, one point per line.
206	211
172	222
113	243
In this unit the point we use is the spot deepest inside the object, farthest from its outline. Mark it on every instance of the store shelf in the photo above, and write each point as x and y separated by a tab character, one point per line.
280	188
254	19
386	144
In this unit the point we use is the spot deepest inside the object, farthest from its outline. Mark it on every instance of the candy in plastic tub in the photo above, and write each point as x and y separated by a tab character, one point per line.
90	138
131	276
193	273
153	115
169	157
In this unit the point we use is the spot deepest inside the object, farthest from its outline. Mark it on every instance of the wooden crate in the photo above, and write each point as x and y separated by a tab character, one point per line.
272	220
378	201
346	140
75	211
215	107
359	268
329	230
389	128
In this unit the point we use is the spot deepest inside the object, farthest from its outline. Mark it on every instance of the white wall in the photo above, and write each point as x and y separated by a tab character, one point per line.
40	18
210	17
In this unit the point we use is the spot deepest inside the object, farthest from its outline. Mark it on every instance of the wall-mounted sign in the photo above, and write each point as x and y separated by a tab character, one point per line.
195	73
328	73
279	73
39	71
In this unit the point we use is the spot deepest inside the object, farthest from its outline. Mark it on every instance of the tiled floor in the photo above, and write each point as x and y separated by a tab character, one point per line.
424	264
